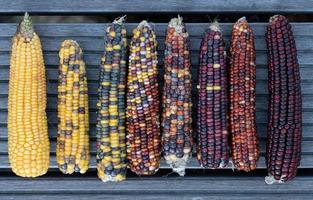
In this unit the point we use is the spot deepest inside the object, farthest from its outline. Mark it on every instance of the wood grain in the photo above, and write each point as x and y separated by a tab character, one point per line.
160	6
90	37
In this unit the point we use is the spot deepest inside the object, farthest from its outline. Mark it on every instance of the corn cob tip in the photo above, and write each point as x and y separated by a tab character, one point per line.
70	43
120	20
275	18
143	24
67	43
179	166
179	170
180	19
26	16
242	20
271	180
177	24
214	26
26	27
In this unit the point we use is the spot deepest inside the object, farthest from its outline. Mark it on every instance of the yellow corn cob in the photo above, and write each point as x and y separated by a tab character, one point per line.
27	121
73	139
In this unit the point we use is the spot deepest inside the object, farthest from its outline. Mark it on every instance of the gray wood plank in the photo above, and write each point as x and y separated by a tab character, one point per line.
51	58
95	43
160	6
97	29
92	57
261	129
306	163
150	185
159	196
261	88
307	132
93	73
261	117
261	102
155	196
307	146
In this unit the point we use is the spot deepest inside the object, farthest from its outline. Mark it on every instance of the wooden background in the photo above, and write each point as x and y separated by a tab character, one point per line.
90	37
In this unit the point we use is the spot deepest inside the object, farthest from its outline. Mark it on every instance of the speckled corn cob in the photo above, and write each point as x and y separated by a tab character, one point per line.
27	121
245	150
212	126
111	139
142	114
176	121
72	149
283	152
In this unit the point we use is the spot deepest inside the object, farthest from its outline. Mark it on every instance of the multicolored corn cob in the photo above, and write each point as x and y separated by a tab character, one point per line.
284	130
176	120
245	150
27	120
142	113
212	125
72	148
111	139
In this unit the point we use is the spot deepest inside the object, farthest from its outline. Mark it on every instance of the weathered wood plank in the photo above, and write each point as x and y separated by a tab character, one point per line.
51	58
165	185
306	163
159	196
307	146
200	188
261	129
90	37
261	117
160	6
93	73
261	88
154	196
97	29
261	103
95	43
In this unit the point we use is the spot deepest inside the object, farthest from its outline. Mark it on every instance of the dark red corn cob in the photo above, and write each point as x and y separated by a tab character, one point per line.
142	113
245	150
284	130
212	129
176	121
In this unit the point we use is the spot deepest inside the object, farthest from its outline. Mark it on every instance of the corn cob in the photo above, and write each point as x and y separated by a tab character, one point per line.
176	121
212	125
142	119
245	150
283	152
27	121
111	144
72	149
